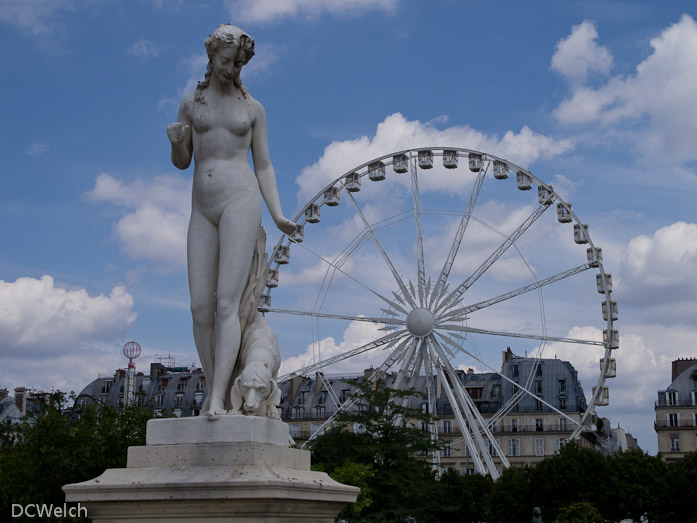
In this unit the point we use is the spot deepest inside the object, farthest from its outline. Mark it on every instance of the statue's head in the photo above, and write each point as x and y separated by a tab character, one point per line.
227	35
228	48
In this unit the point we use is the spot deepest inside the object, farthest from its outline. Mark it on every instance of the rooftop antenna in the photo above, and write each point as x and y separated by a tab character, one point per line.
131	350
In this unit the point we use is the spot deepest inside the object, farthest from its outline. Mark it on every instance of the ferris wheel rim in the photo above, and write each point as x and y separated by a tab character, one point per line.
444	303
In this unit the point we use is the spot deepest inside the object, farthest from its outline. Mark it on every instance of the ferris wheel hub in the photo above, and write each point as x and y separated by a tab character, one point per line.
420	322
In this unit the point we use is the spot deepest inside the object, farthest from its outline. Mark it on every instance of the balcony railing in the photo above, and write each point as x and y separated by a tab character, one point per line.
677	403
683	423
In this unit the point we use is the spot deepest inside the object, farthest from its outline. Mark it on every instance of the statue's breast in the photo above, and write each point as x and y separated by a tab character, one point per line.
231	116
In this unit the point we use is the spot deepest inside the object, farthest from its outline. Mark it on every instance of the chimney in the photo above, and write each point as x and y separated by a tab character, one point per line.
4	393
681	365
21	399
507	355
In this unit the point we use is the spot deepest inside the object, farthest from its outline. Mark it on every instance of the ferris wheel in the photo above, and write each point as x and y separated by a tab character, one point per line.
430	266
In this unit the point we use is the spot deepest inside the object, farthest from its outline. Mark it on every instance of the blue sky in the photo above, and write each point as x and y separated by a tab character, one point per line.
598	98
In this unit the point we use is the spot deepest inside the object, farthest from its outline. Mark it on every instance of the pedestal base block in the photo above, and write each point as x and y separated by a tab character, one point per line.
218	481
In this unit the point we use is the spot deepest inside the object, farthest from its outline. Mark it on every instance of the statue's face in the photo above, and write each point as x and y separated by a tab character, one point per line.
226	64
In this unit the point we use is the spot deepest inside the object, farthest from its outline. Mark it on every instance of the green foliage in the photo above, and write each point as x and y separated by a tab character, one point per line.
511	498
580	512
464	499
358	475
50	449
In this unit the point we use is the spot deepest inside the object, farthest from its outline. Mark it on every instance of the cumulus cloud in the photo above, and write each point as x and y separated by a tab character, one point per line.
396	133
143	49
357	333
271	10
38	317
579	54
661	92
658	274
155	216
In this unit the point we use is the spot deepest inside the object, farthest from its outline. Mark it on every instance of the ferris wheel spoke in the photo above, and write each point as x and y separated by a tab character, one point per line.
389	340
455	295
462	328
382	251
336	267
520	389
407	361
386	320
464	221
466	404
421	271
386	364
463	311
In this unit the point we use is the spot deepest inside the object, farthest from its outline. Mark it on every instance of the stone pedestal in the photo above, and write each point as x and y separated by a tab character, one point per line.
234	468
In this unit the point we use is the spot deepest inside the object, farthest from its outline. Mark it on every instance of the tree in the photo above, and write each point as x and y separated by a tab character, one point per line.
50	449
400	483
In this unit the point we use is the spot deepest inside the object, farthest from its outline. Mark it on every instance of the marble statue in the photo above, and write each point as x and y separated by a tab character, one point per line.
218	123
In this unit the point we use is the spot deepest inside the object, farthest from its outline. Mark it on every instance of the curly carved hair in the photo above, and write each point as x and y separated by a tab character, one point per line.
225	35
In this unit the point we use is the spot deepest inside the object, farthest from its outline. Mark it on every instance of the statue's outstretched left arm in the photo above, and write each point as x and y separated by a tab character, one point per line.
264	170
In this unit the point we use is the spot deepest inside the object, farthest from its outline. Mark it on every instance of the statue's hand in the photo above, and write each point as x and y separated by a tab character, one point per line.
285	225
178	132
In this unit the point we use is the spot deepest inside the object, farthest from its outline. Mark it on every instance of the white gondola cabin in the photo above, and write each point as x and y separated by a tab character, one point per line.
312	213
611	306
352	182
594	256
500	170
581	233
603	396
564	212
400	163
298	234
604	283
449	159
376	171
331	197
610	371
282	254
264	303
475	162
425	159
524	181
272	278
545	194
612	338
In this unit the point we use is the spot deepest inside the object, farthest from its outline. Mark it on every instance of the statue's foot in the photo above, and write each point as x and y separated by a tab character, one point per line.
216	409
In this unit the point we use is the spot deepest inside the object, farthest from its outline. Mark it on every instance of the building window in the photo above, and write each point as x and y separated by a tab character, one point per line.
538	386
301	398
201	383
198	398
322	397
562	386
447	426
159	400
539	446
319	411
694	420
516	371
298	412
121	401
182	384
538	370
673	419
538	405
492	449
179	400
675	442
163	383
296	431
447	450
344	395
539	424
514	447
560	443
177	413
563	424
106	387
495	391
672	397
514	425
562	403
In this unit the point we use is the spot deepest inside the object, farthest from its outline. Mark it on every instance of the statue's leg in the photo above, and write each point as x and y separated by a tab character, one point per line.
238	231
202	261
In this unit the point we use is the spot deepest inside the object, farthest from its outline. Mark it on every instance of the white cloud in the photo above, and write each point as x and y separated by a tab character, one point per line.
143	49
578	54
357	333
38	149
251	11
662	91
396	133
155	217
658	274
37	317
35	16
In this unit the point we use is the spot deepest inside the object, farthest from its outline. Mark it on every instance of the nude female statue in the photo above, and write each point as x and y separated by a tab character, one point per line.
218	123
